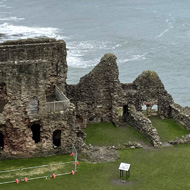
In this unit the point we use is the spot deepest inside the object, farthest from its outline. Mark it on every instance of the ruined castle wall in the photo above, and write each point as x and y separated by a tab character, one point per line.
96	92
181	115
142	124
39	49
22	81
147	89
27	79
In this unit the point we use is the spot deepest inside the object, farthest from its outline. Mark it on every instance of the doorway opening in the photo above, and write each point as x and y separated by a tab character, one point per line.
36	132
57	138
125	112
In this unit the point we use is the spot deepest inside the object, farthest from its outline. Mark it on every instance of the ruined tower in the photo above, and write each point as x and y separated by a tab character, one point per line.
36	118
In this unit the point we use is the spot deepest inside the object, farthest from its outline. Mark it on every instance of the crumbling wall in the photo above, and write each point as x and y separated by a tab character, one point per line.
181	115
28	83
183	140
24	81
142	124
148	89
39	49
96	93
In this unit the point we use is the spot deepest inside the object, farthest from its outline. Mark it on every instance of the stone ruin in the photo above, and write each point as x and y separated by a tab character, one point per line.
36	117
40	114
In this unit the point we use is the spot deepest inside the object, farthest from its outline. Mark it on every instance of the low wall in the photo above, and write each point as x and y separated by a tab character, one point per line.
181	115
141	123
184	140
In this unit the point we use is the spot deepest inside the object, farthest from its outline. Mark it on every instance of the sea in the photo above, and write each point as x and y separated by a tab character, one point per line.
143	34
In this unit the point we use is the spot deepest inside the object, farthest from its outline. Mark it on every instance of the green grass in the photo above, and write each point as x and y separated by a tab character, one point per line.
107	134
168	129
163	168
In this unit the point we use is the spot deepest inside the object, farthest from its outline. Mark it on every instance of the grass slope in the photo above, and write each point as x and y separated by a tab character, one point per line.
168	129
107	134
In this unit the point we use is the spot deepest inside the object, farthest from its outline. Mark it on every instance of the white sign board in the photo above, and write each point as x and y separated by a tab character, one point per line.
124	166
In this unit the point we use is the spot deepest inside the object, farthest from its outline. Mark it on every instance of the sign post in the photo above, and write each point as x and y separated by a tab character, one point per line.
124	167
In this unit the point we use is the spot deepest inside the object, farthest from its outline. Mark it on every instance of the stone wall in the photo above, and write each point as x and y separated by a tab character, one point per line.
184	140
39	49
31	69
96	93
147	89
142	124
181	115
26	125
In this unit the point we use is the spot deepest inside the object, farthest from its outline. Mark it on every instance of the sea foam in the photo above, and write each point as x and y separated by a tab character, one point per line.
14	32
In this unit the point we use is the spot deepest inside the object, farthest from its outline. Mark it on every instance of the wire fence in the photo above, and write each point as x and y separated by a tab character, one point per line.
38	172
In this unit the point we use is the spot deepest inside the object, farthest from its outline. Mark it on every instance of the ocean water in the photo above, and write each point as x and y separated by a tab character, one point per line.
143	34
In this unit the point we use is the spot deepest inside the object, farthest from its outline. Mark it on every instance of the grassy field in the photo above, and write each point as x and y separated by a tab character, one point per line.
165	168
107	134
168	129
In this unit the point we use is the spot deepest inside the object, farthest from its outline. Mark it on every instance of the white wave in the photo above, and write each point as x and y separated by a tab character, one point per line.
4	12
13	32
4	6
134	58
163	32
92	44
77	61
11	19
78	51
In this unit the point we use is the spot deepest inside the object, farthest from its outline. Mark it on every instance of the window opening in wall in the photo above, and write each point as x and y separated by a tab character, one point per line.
1	141
36	132
57	138
80	134
79	120
149	109
155	108
144	108
34	105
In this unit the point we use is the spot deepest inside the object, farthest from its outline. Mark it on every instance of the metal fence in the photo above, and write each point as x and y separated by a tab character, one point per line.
60	105
42	171
59	94
57	106
9	176
35	172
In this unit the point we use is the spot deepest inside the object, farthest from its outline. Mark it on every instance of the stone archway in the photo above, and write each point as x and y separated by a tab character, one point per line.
151	108
57	138
1	141
36	132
